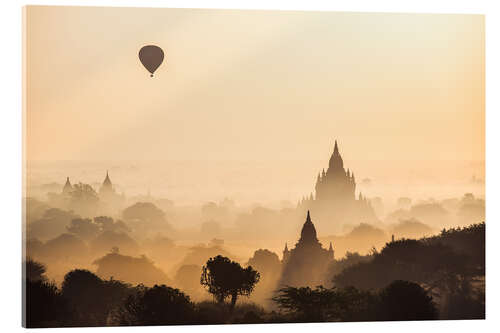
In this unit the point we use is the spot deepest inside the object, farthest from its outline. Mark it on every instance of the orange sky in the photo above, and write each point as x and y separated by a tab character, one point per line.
401	92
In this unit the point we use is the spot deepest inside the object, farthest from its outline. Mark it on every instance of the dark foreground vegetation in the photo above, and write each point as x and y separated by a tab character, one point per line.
450	266
440	277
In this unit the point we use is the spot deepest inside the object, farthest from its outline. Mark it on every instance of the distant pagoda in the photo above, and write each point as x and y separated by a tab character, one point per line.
67	188
107	186
308	261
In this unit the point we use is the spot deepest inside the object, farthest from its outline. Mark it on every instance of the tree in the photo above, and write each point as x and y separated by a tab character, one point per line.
84	193
107	223
108	239
401	300
268	264
143	216
225	278
92	299
322	304
304	303
64	246
146	212
404	300
83	199
45	306
160	305
82	289
83	228
52	223
266	261
130	269
34	271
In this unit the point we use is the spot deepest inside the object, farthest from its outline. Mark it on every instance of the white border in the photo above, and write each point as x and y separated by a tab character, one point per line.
11	158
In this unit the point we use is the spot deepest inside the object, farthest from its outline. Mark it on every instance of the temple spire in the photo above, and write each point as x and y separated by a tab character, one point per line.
286	254
330	251
336	149
308	233
67	187
336	163
107	181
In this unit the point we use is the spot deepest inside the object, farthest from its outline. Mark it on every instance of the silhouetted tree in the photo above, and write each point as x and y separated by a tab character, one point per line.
45	306
350	259
322	304
160	305
82	289
33	270
403	300
406	259
304	303
225	278
468	241
92	299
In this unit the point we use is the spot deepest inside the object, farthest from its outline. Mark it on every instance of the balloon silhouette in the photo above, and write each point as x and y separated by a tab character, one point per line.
151	57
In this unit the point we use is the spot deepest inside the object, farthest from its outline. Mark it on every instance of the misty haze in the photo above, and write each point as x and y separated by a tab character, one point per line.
278	167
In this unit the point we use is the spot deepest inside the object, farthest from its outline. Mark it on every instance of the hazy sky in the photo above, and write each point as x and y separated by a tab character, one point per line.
402	90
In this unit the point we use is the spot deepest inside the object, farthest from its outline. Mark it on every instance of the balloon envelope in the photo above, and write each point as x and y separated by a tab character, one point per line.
151	57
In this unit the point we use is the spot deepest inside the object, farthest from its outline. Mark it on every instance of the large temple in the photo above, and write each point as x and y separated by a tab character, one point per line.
334	200
307	263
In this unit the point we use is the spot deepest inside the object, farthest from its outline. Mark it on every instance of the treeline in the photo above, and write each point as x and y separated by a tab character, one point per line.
450	266
84	299
400	300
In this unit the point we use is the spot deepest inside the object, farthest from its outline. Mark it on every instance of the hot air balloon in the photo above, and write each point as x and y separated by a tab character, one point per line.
151	57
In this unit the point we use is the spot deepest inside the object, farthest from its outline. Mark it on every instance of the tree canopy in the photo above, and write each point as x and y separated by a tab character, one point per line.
225	278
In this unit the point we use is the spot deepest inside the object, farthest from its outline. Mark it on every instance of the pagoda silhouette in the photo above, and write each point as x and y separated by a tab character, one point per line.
334	201
307	262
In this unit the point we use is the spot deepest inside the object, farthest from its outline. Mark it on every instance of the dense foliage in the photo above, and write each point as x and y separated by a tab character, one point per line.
225	278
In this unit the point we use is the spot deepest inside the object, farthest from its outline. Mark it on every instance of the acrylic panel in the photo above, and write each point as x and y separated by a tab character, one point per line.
203	166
